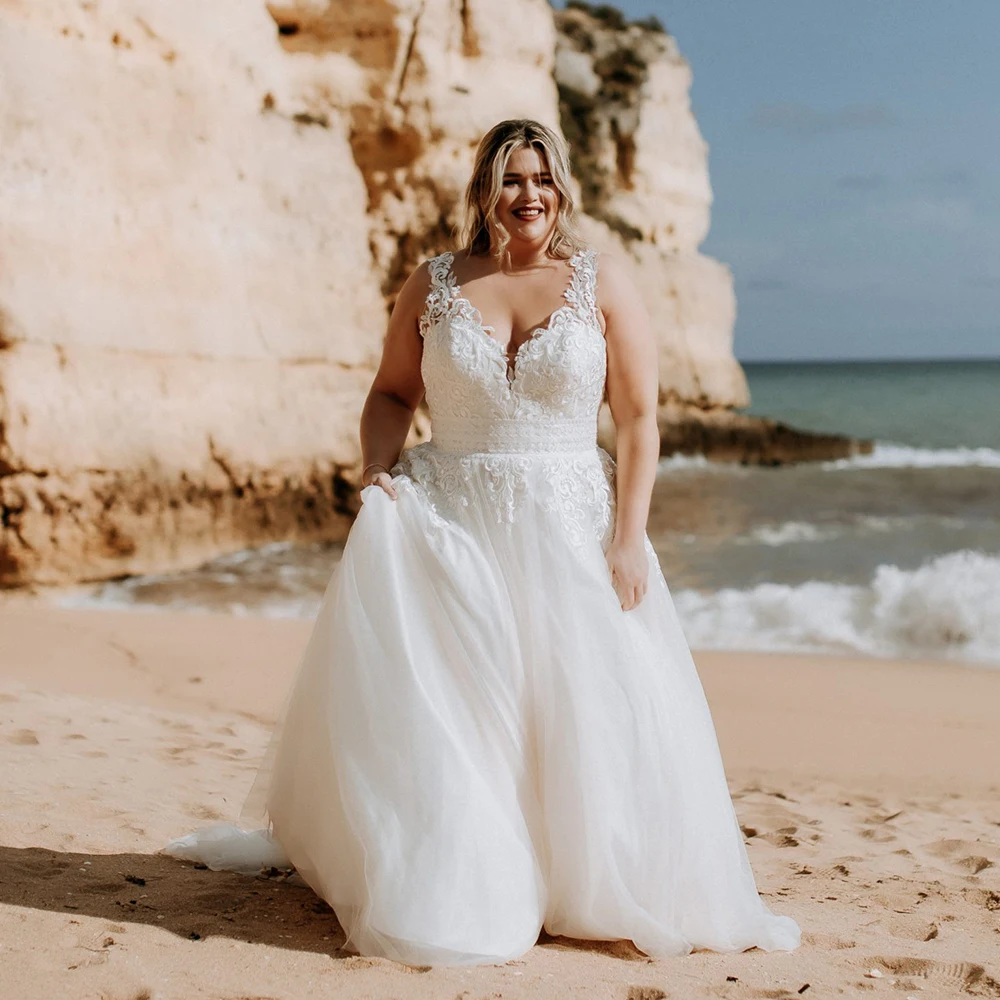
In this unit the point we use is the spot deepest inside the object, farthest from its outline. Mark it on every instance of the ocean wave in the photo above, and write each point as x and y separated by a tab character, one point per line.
211	600
791	532
799	532
886	455
679	462
948	607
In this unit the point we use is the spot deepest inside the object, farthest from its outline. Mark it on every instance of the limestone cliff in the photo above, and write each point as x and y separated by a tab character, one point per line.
642	165
206	208
190	318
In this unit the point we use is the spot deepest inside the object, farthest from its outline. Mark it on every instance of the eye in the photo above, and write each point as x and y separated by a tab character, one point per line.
508	181
547	181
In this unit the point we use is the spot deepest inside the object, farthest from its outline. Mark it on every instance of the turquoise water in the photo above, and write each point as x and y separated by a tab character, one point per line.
925	404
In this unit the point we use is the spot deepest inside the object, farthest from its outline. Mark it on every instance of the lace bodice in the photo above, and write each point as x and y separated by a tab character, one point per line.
510	436
547	400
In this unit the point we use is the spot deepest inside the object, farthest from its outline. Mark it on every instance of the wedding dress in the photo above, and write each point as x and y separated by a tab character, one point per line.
479	741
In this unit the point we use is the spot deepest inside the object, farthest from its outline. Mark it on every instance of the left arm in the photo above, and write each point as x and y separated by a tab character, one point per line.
633	386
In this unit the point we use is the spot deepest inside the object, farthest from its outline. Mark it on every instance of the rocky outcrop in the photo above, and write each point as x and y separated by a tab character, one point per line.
207	207
721	435
429	77
190	315
643	170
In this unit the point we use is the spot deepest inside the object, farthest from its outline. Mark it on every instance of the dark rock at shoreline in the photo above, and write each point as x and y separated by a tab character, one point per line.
725	436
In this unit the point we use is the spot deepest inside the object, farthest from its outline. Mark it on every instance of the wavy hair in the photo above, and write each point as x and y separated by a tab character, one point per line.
481	232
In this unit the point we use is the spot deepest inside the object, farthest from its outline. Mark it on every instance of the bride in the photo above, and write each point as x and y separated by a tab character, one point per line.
497	725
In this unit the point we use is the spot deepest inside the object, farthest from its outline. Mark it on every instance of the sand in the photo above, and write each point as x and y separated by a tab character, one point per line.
869	793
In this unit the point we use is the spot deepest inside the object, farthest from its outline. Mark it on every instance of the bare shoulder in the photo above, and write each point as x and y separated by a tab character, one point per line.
413	294
418	281
616	285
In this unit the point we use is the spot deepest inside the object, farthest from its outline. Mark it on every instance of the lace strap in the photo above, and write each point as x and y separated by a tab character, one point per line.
441	291
582	292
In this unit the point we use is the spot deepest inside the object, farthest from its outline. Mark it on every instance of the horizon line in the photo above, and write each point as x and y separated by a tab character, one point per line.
951	359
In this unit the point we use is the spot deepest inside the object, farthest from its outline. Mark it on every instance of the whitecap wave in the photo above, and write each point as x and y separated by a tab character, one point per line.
119	596
678	462
948	607
790	532
799	532
886	455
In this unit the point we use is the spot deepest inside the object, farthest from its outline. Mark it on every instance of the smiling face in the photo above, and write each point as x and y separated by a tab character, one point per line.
529	200
520	197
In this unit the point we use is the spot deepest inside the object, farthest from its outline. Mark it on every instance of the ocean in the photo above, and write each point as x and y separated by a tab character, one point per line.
891	554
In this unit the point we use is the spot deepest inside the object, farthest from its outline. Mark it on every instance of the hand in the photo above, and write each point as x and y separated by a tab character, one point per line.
376	475
629	569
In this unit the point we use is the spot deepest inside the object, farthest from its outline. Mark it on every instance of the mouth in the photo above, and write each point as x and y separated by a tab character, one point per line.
526	214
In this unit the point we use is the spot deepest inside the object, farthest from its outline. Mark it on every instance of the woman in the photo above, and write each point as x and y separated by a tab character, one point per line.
497	725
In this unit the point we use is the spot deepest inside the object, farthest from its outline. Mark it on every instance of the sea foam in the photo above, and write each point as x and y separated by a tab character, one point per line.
886	455
949	607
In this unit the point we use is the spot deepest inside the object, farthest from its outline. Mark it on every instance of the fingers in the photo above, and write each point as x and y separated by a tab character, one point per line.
630	596
623	591
630	582
384	480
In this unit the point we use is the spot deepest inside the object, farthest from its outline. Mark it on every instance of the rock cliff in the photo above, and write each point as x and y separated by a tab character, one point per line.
643	170
189	314
207	207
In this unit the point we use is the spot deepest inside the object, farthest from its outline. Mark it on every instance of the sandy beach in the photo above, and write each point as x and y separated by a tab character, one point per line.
867	790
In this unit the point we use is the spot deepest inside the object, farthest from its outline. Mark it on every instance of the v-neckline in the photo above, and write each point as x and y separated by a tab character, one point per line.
511	361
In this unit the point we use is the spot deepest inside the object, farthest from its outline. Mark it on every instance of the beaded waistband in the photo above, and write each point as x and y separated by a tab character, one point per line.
511	435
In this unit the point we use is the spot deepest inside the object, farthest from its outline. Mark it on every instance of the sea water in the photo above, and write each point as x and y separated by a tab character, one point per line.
892	554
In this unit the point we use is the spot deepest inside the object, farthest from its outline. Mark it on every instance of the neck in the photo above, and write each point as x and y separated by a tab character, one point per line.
521	256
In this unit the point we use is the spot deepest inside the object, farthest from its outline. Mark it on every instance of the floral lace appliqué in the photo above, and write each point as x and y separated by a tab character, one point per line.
579	488
507	435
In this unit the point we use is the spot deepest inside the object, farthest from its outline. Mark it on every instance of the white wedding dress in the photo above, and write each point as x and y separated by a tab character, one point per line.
479	741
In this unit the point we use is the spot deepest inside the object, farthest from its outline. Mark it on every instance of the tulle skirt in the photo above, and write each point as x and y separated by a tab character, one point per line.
480	742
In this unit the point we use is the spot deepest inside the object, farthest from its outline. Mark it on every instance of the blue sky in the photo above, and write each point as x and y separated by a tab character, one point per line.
855	159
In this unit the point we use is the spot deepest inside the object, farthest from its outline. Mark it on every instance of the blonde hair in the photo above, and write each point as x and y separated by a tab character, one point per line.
481	232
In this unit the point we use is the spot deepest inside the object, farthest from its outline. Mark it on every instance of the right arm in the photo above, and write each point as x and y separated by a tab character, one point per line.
398	386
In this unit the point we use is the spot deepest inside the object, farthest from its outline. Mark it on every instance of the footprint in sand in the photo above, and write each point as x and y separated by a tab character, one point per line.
203	812
876	835
910	927
23	738
645	993
983	897
831	941
772	821
952	976
734	989
836	870
783	837
971	856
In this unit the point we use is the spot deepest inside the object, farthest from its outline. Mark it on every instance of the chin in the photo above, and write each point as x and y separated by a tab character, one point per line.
535	230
